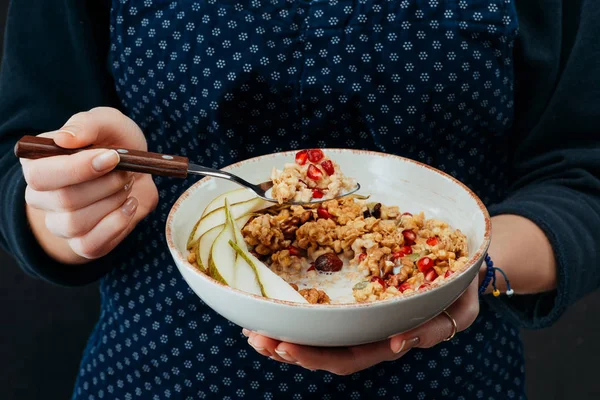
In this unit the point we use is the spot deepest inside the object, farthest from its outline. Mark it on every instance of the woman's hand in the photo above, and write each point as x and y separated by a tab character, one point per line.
348	360
78	207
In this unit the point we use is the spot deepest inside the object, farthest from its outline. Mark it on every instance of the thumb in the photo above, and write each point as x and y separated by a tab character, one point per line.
100	126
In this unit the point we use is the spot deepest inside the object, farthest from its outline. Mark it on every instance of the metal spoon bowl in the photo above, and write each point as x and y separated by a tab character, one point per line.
35	147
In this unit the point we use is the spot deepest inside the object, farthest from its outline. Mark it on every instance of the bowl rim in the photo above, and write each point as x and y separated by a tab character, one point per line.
479	254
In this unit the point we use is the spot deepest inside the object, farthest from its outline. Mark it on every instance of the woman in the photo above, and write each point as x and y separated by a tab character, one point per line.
222	81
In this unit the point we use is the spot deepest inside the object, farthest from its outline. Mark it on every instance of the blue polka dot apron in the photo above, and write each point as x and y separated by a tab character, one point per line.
224	80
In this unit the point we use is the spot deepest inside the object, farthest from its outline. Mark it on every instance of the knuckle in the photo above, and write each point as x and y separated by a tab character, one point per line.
78	120
66	200
87	249
64	225
30	196
32	177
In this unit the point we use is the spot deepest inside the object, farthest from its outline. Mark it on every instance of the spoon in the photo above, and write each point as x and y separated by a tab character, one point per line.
35	147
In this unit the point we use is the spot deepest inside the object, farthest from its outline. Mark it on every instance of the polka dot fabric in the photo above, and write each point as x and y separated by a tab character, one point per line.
220	81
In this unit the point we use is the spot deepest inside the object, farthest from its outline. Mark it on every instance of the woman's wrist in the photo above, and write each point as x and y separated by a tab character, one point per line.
524	253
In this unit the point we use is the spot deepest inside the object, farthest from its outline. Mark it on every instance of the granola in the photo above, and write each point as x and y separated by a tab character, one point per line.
312	176
386	252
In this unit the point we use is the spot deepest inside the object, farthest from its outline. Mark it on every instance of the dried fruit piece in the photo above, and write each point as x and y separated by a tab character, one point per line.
328	167
301	157
409	236
294	251
398	254
323	213
315	155
407	213
448	273
424	286
431	275
425	264
404	286
314	173
312	267
379	280
361	257
328	262
406	250
317	193
376	211
432	241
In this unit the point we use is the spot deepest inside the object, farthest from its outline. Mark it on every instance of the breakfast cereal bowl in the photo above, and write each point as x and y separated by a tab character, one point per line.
388	179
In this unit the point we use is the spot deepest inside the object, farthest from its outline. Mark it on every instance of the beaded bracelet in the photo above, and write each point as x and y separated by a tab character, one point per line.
490	275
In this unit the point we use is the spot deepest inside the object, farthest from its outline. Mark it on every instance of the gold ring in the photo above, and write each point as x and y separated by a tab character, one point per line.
454	326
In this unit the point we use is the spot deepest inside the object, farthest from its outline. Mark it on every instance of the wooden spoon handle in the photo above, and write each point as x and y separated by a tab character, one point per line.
35	147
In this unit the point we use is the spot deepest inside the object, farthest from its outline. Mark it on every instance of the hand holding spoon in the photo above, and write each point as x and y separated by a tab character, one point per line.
35	147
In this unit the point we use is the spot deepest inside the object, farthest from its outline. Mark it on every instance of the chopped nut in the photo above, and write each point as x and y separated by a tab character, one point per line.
315	296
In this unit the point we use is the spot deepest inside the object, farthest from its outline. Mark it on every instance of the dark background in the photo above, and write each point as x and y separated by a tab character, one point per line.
43	329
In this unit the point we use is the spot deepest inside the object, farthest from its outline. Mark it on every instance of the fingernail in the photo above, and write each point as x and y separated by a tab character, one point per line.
105	160
129	184
254	347
246	332
130	206
65	131
407	344
285	356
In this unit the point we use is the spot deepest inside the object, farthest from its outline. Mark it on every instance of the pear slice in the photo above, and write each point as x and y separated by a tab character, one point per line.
221	262
271	284
244	276
233	196
217	217
206	241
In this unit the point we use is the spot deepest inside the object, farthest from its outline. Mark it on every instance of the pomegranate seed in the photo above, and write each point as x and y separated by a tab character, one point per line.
431	275
301	157
407	213
424	285
315	155
404	286
317	193
378	280
361	257
409	236
432	241
406	249
314	173
425	264
328	167
398	254
311	268
323	213
448	273
294	251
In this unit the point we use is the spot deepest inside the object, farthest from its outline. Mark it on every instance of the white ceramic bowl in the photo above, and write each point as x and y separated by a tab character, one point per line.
389	179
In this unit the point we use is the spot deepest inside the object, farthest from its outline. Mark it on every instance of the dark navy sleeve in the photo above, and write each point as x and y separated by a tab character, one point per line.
54	65
557	150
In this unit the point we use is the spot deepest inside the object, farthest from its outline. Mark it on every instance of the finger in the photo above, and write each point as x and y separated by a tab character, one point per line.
464	311
79	222
261	344
107	233
103	126
75	197
60	171
340	361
